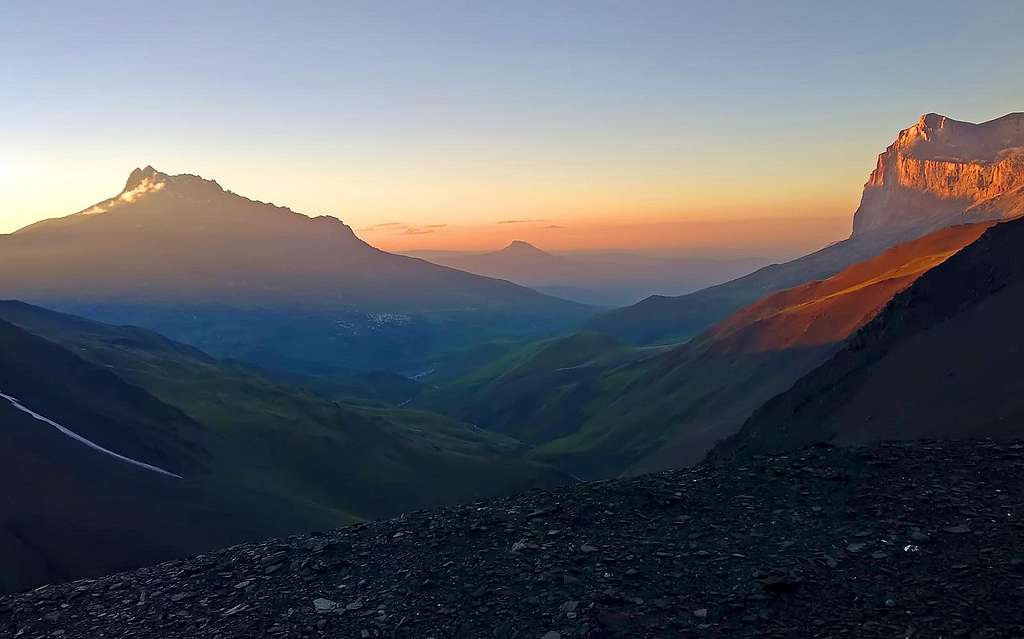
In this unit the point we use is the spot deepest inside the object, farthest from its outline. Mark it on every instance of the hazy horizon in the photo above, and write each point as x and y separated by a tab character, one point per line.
740	129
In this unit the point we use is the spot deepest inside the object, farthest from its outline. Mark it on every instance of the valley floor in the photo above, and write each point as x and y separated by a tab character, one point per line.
892	540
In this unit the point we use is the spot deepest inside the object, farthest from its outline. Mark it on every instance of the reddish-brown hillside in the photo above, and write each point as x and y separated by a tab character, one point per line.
827	311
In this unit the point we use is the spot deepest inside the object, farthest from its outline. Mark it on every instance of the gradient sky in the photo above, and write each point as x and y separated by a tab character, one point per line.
424	125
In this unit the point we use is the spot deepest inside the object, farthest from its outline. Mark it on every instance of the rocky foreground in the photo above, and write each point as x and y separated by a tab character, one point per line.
892	540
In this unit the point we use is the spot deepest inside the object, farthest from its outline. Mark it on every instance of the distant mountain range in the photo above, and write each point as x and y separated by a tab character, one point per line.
937	173
598	278
259	282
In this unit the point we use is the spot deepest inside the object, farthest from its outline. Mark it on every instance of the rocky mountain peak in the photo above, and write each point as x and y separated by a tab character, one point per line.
941	138
942	171
175	203
148	179
138	176
144	182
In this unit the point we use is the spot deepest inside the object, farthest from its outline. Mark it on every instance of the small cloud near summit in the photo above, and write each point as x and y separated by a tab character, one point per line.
382	226
401	228
523	221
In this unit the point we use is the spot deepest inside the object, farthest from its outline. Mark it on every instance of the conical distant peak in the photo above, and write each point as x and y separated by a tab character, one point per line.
521	246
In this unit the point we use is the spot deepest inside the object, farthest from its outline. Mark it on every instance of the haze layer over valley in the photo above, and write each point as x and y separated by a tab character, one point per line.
599	278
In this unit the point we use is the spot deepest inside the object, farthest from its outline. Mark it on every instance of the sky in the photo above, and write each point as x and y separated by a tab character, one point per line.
687	126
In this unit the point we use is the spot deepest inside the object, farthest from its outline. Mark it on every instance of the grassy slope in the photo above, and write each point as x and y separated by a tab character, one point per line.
349	460
379	388
543	391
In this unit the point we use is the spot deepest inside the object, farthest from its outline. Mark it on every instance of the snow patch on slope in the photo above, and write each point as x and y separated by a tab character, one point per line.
82	440
143	187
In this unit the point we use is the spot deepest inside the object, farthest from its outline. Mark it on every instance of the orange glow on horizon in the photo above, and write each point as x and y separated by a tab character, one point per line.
762	236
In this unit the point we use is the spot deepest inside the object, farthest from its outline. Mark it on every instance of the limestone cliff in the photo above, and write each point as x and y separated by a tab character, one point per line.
942	171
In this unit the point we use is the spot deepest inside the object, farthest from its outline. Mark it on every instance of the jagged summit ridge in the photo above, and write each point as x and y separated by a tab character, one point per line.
139	176
939	137
148	181
182	195
149	174
942	171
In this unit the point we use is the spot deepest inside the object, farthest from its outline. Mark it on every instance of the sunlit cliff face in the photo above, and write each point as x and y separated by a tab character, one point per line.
940	169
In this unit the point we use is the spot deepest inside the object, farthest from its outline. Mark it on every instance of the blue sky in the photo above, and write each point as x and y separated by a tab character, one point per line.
468	113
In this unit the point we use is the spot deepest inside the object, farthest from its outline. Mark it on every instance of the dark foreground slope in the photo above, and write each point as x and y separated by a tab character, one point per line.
68	511
894	540
941	360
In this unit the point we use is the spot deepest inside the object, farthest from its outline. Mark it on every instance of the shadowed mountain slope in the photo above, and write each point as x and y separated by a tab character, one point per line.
348	460
940	361
130	483
308	461
245	279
